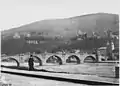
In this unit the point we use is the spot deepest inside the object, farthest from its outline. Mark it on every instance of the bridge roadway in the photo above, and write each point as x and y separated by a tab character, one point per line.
43	58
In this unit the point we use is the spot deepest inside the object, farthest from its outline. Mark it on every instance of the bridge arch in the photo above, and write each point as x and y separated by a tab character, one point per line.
39	60
54	58
75	58
10	58
89	59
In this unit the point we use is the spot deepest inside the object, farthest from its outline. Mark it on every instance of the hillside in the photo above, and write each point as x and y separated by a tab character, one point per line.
64	29
69	26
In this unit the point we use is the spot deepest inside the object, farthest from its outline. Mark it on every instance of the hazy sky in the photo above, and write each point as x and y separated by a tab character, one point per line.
14	13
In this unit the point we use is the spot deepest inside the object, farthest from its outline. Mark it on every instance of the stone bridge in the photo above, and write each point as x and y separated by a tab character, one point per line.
43	59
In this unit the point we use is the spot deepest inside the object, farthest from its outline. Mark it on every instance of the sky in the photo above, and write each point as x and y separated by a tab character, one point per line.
15	13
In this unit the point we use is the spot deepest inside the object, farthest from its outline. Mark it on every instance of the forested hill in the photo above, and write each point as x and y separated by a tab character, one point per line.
63	30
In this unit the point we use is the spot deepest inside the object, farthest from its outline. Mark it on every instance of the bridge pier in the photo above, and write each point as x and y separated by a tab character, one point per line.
64	59
21	60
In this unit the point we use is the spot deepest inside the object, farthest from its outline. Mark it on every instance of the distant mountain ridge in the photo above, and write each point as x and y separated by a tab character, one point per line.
62	29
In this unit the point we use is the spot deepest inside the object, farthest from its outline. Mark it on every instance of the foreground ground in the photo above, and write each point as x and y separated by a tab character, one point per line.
17	80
